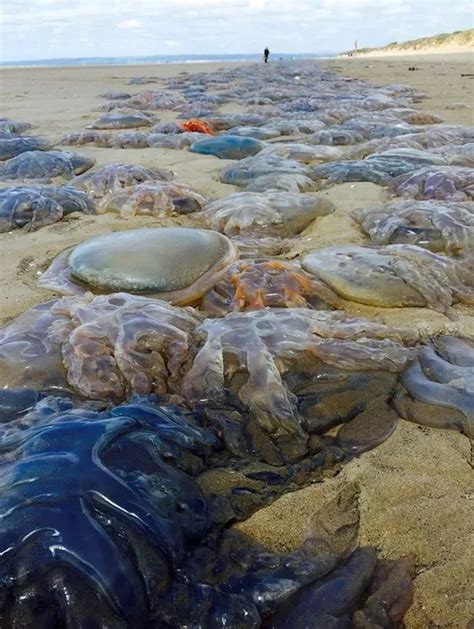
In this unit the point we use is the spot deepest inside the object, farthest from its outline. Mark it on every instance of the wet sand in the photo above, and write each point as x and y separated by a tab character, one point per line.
416	493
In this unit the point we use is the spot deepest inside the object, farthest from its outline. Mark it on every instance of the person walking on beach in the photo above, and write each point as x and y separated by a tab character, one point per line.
266	52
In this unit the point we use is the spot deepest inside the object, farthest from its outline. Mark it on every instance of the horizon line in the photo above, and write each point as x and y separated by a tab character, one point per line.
192	56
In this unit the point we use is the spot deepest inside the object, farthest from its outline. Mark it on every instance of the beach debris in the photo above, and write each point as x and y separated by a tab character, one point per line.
114	177
13	146
172	263
33	207
264	213
435	225
45	165
436	389
450	183
393	276
256	284
228	146
194	125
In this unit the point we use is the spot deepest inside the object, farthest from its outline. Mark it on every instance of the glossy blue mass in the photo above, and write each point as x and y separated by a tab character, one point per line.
228	146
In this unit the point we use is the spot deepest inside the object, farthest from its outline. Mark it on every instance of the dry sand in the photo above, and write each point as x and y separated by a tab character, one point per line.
416	492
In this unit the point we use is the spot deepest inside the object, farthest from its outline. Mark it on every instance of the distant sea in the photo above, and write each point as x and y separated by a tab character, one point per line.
159	59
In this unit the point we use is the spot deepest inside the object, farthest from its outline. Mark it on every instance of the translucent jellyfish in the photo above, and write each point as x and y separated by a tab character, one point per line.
379	168
143	80
13	127
428	139
457	154
167	127
173	140
11	147
123	120
296	127
451	183
153	199
228	146
45	165
435	225
303	152
130	140
98	138
294	372
257	133
282	182
114	177
265	214
195	111
105	347
224	122
251	247
392	276
255	284
247	170
437	388
172	263
34	207
336	137
115	95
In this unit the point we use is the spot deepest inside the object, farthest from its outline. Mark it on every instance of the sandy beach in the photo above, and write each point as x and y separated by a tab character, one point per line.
416	493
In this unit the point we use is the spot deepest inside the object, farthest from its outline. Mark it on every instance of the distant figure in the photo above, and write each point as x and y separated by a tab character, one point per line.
266	52
355	45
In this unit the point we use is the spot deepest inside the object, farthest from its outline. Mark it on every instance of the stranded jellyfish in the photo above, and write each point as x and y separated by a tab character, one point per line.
435	225
265	214
255	284
172	263
104	347
437	388
114	177
392	276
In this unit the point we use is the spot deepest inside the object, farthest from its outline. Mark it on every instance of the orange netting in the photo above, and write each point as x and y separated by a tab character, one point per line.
197	126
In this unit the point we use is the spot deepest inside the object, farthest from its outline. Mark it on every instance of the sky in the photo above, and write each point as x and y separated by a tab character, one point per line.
44	29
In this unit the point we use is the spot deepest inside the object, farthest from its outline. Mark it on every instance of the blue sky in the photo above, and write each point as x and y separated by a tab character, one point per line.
40	29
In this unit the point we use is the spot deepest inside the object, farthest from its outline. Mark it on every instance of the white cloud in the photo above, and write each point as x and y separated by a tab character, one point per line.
132	23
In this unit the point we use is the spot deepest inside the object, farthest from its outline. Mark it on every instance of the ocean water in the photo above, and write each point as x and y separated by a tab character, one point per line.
160	59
